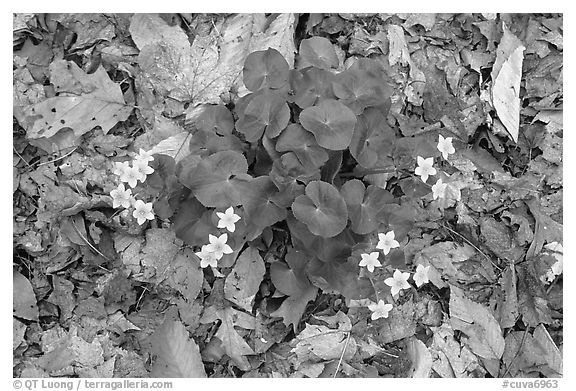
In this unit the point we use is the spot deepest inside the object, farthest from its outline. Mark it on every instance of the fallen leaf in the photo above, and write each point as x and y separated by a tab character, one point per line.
293	307
449	358
177	355
244	280
529	355
24	299
18	331
421	358
316	343
532	301
546	230
506	76
234	345
84	102
448	260
185	274
211	66
484	335
507	310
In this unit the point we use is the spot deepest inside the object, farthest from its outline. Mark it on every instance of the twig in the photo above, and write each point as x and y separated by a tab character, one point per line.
20	156
342	355
59	158
88	243
471	244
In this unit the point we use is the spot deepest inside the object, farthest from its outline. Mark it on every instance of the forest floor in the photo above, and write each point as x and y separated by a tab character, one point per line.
103	291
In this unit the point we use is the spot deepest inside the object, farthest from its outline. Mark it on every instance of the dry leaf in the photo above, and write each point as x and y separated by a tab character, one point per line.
506	76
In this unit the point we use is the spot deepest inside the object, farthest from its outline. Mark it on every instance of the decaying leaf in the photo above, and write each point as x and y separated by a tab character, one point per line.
177	355
317	343
24	298
234	345
211	66
506	76
484	335
528	355
243	282
85	101
420	356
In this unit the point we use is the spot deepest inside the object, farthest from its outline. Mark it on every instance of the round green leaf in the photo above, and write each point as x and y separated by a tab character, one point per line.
266	112
331	122
317	52
364	205
373	140
260	202
311	85
288	174
302	143
265	68
218	180
362	85
322	209
212	118
334	249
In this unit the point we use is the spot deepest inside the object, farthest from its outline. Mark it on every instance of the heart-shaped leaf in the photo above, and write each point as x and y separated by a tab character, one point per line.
373	140
217	181
290	277
332	249
317	52
193	223
295	138
331	122
362	85
265	68
339	277
211	118
310	86
364	205
289	175
266	112
260	202
322	209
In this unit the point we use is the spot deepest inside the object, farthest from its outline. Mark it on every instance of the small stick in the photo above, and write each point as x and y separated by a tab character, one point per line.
342	355
59	158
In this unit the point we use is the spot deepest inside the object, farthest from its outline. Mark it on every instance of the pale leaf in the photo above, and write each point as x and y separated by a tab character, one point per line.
506	76
177	355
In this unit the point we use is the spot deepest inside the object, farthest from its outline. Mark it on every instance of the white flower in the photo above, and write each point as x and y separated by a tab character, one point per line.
398	281
207	258
143	167
120	168
228	219
557	251
142	211
218	245
145	156
387	242
445	146
425	168
439	189
379	310
421	275
121	197
131	176
370	261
